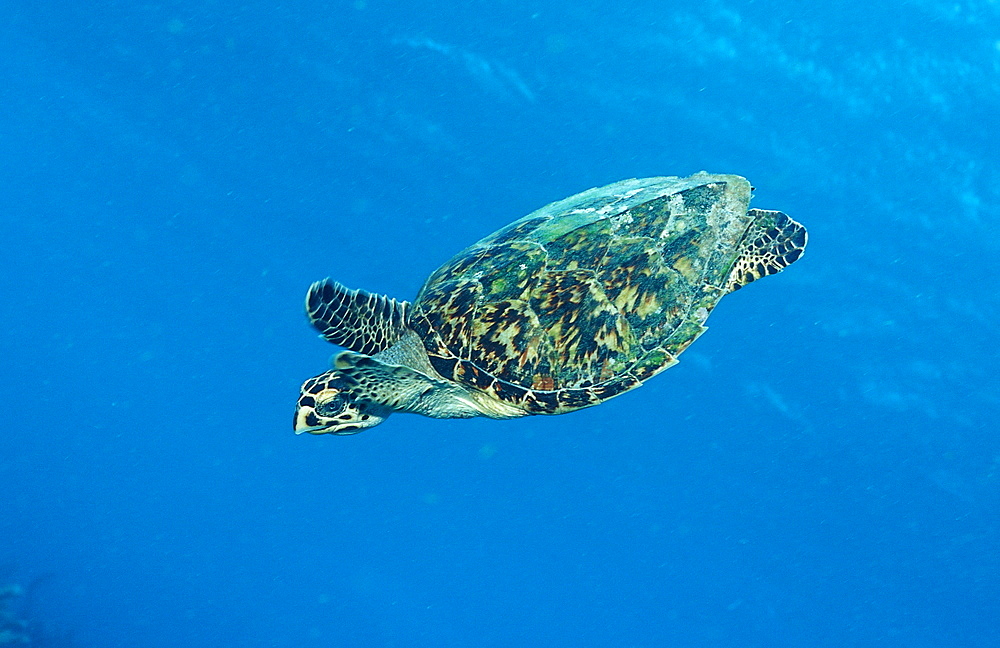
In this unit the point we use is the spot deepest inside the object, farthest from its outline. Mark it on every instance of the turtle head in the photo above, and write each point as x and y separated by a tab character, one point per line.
328	404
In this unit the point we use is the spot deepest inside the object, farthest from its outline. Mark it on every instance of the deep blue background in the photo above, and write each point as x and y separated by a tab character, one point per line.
822	468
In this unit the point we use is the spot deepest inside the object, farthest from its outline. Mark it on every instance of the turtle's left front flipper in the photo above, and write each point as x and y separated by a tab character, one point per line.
355	319
402	389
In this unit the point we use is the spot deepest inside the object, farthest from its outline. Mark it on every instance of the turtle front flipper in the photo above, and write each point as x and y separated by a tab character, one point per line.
377	385
772	243
355	319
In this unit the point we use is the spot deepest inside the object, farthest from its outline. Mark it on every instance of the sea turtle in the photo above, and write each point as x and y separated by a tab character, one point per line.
575	303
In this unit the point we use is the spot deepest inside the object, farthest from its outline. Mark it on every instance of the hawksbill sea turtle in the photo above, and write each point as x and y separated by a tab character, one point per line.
577	302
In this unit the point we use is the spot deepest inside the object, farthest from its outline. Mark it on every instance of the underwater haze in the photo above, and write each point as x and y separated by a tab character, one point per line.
821	469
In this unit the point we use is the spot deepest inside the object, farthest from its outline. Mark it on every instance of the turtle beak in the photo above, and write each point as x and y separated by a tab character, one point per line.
306	420
302	420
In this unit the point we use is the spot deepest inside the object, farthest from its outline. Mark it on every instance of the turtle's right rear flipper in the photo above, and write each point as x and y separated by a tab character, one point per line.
772	243
355	319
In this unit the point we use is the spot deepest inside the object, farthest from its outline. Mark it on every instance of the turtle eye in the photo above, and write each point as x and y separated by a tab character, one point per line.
332	406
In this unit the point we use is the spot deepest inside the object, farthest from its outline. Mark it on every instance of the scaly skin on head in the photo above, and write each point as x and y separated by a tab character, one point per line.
328	405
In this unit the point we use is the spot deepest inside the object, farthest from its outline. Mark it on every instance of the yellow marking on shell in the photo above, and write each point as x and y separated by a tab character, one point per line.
625	301
543	383
603	306
648	306
506	336
611	340
686	266
555	330
528	354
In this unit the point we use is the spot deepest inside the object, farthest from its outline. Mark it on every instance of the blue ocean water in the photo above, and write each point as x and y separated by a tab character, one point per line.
821	469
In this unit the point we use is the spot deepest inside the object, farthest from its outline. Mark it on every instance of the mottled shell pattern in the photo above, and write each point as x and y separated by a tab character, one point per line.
590	296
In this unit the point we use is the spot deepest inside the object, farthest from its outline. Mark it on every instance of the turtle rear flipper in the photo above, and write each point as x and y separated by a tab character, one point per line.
772	243
355	319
